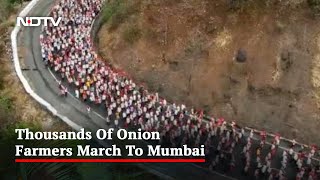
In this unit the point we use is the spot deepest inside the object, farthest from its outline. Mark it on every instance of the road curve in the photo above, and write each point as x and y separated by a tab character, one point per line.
44	83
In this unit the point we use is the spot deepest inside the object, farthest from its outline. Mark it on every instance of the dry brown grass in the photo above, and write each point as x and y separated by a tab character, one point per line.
22	107
267	91
223	39
315	77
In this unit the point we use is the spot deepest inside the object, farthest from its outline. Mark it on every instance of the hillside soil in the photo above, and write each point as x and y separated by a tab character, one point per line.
187	51
17	108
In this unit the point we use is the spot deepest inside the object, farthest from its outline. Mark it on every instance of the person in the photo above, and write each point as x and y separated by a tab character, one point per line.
277	138
312	175
313	150
68	50
116	123
271	176
273	149
77	93
258	151
263	136
212	165
256	173
264	168
291	150
281	174
251	133
61	88
108	120
65	90
246	168
293	143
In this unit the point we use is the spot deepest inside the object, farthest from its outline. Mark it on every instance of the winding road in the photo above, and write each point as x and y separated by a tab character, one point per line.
44	83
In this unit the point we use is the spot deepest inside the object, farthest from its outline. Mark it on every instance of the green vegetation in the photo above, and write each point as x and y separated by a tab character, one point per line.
194	46
252	7
132	34
236	4
6	103
247	5
11	119
118	11
110	9
251	4
8	140
315	6
7	7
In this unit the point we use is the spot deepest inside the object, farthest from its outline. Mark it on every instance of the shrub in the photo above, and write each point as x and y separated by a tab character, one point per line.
6	7
110	9
5	103
132	34
117	12
237	4
119	17
315	6
194	47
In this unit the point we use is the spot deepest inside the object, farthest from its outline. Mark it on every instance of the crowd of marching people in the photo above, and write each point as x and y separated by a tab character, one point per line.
68	50
258	158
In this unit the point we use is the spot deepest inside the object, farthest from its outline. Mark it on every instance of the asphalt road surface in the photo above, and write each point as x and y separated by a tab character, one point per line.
44	83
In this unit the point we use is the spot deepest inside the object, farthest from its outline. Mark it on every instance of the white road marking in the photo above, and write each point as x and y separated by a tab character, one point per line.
96	113
215	172
283	148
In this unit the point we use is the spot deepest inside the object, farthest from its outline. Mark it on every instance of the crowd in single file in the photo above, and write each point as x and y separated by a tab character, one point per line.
68	51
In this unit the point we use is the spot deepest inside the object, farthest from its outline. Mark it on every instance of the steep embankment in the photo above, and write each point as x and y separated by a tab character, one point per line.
17	108
186	50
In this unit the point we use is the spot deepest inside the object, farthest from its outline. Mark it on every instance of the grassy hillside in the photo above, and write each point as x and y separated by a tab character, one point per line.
187	51
17	109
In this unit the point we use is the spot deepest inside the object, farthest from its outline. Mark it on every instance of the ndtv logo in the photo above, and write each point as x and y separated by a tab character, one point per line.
36	21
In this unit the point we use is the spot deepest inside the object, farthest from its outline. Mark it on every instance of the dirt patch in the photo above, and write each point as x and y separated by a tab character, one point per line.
186	51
